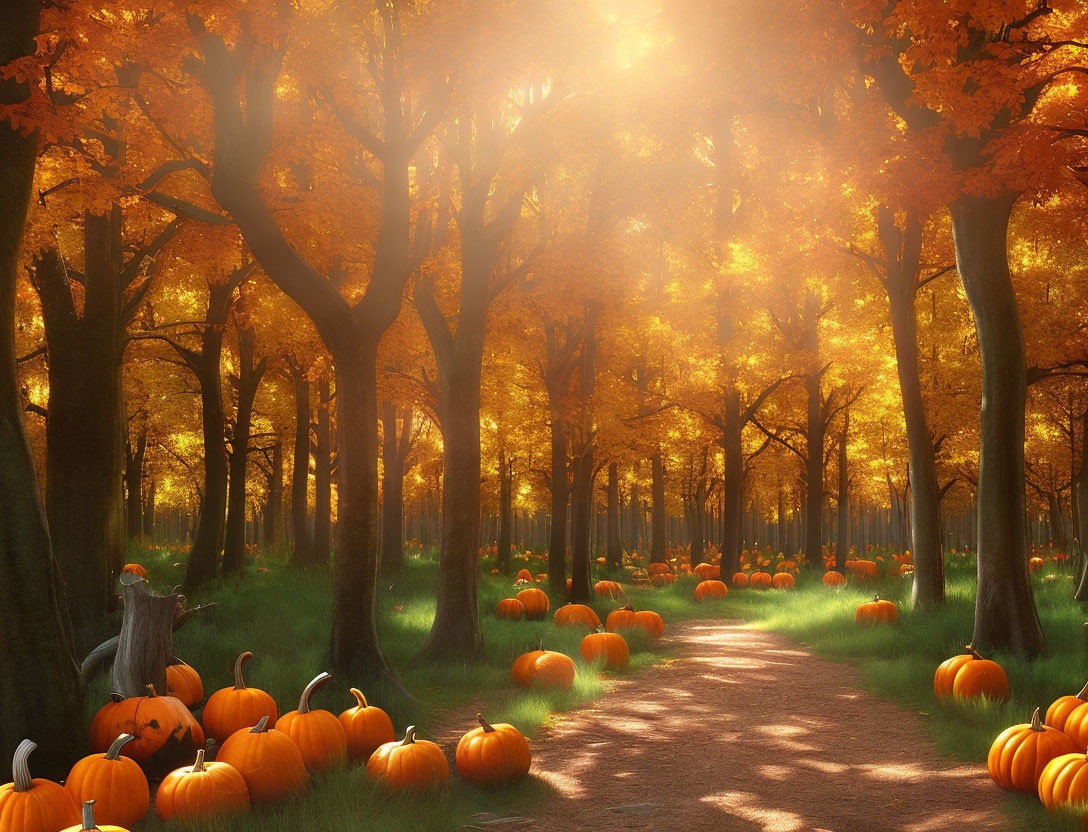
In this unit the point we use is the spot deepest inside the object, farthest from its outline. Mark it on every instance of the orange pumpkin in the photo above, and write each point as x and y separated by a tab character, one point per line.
611	648
366	728
34	804
863	568
525	575
493	755
710	590
621	619
544	669
183	682
662	579
115	784
1076	726
165	731
1020	753
626	618
760	580
318	734
833	578
409	764
268	760
522	670
232	709
608	589
534	601
659	569
576	615
783	580
1064	781
1035	564
102	727
201	790
89	825
877	611
740	580
141	572
707	571
968	676
1063	706
510	608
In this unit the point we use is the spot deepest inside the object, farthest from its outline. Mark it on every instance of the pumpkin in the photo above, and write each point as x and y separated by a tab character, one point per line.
709	590
760	580
1035	564
877	611
611	648
1063	706
525	575
409	764
493	755
626	618
1020	753
621	619
183	682
318	734
366	728
575	615
833	578
863	568
740	580
783	580
166	733
544	669
1064	781
139	571
1076	726
968	676
522	670
201	790
608	589
707	571
651	622
659	569
534	601
268	760
115	784
662	579
89	825
232	709
102	729
510	608
34	804
786	566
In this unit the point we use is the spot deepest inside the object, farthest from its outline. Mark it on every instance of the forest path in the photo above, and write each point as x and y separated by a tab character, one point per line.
745	731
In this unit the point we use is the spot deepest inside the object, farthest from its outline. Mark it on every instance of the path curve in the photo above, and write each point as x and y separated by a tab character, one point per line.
747	732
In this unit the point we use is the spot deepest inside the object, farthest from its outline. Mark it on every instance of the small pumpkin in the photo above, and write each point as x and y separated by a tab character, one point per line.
783	580
201	790
510	608
968	676
710	590
525	575
493	755
760	580
611	648
621	619
1064	781
662	579
34	804
268	760
659	569
833	578
409	764
626	618
740	580
576	615
140	572
877	611
366	727
1063	706
608	589
114	783
544	669
317	733
707	571
102	727
183	682
232	709
89	825
535	602
166	732
1020	753
1035	564
522	670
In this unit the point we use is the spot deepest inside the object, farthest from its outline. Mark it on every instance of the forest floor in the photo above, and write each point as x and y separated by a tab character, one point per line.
743	730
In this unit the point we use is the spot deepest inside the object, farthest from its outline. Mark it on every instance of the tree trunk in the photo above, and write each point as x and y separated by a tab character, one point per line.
659	542
557	540
1005	615
505	512
581	584
733	480
815	432
300	471
698	525
392	494
273	513
321	548
248	380
1081	509
41	694
134	472
149	510
1057	522
842	542
613	546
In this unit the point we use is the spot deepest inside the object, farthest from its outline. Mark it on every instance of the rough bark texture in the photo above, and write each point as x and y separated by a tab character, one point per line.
842	541
146	643
1005	615
300	471
248	380
38	638
581	588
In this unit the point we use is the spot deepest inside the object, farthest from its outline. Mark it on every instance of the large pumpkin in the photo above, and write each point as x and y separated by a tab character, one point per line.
493	755
1076	726
968	676
183	682
201	790
232	709
103	728
611	648
833	578
710	590
877	611
544	669
34	804
608	589
1063	706
626	618
782	580
166	733
1020	753
534	601
740	580
1064	781
522	670
621	619
317	733
760	580
366	727
510	608
116	784
409	764
268	760
576	615
89	824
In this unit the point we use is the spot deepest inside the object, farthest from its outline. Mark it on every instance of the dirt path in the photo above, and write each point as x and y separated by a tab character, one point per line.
746	731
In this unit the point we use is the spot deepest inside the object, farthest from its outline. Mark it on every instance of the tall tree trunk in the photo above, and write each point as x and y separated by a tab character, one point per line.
1057	522
842	542
557	540
1005	615
506	512
392	493
273	513
613	545
634	507
300	471
733	481
321	548
1081	508
582	487
149	509
698	525
815	431
659	541
134	475
41	694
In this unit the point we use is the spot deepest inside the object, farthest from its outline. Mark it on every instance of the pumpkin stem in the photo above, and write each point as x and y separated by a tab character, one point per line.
974	653
628	607
1083	692
117	698
151	691
409	735
1036	722
199	764
261	726
239	682
88	816
118	744
315	683
359	698
876	599
19	769
487	726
